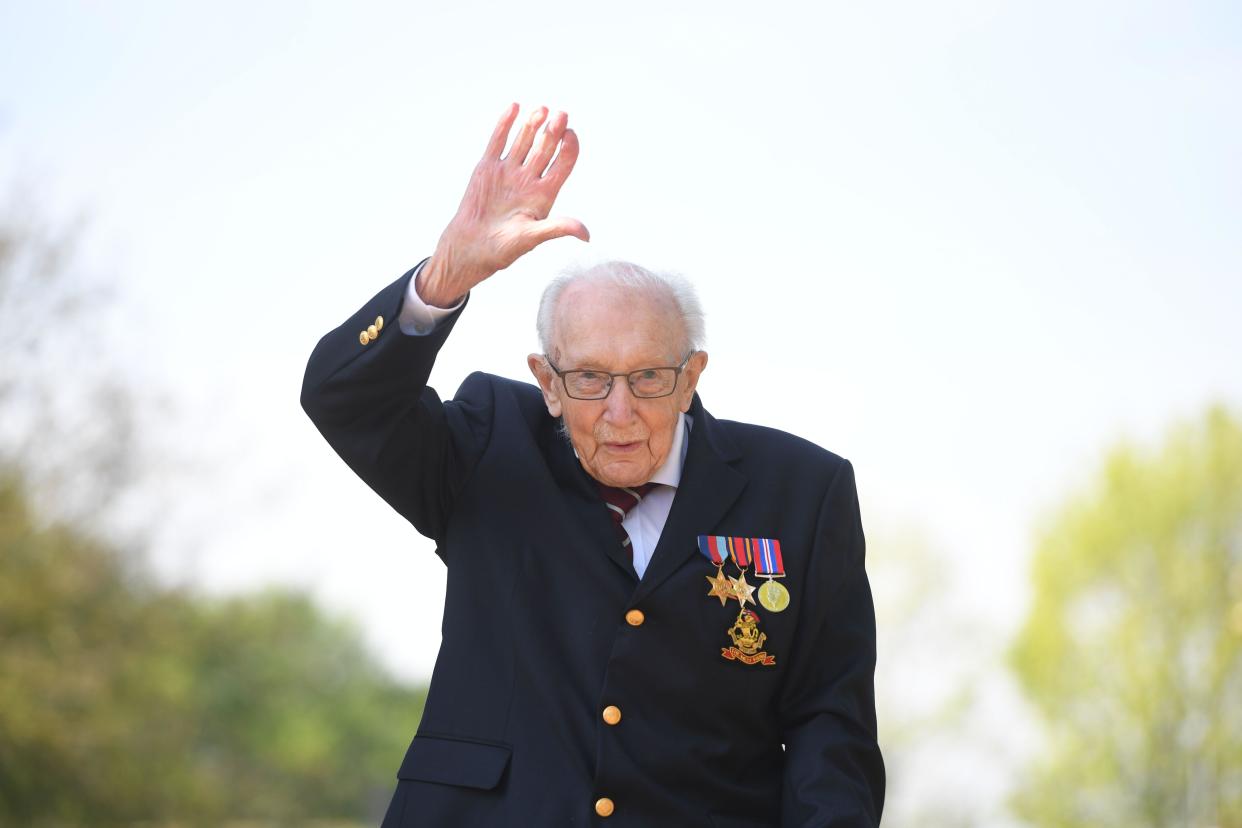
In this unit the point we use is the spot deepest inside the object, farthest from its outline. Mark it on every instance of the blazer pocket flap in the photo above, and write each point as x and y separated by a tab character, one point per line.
455	762
725	821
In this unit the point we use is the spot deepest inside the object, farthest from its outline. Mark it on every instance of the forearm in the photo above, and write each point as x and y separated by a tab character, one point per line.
369	398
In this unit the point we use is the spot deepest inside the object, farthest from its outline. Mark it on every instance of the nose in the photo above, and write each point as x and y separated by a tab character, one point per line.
619	404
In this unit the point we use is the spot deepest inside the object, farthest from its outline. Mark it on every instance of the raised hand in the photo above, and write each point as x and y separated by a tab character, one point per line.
504	213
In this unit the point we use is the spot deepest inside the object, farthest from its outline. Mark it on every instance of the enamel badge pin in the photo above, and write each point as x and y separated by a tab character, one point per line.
747	641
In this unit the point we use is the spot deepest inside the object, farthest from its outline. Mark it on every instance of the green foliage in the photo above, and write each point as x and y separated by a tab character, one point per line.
1132	651
123	702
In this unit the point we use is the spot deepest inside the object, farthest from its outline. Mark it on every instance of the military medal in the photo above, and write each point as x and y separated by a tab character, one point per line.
768	564
740	552
773	596
765	555
741	590
720	586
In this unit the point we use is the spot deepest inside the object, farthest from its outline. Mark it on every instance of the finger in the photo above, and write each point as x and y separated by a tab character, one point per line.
546	143
542	231
500	136
525	136
564	163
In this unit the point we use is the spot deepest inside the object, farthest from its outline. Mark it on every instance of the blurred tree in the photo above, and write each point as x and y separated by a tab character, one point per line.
67	418
123	702
1132	650
936	660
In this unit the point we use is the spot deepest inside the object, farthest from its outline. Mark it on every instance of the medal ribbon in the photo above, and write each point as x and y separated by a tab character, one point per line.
764	553
714	549
740	550
768	562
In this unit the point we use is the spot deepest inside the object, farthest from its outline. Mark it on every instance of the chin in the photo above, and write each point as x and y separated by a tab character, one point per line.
628	476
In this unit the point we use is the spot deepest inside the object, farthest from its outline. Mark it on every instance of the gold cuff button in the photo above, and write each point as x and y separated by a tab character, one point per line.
373	331
379	323
635	618
612	714
604	806
364	337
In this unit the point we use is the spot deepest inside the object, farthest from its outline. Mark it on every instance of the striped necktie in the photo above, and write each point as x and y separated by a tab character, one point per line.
619	502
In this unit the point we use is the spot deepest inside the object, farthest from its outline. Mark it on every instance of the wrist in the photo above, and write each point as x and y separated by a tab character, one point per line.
435	283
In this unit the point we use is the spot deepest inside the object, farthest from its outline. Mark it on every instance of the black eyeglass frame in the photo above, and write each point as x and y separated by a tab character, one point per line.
629	378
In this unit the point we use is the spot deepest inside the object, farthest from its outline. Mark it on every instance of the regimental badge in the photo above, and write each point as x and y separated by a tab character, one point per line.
747	641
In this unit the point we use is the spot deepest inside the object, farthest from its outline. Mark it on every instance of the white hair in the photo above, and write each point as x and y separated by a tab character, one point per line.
670	286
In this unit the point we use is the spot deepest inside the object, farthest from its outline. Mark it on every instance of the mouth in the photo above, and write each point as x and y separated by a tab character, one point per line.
624	448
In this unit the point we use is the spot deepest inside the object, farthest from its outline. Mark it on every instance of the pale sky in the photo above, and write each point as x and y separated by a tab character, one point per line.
967	245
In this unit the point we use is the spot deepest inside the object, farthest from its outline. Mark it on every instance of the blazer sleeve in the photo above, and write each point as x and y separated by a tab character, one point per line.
371	402
834	774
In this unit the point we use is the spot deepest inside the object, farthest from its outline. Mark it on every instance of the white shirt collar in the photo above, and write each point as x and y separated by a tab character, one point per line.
669	474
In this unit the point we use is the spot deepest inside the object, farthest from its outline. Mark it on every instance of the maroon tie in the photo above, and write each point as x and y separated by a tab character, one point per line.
619	502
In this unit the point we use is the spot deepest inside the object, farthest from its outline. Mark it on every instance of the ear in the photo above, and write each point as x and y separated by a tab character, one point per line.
690	379
547	382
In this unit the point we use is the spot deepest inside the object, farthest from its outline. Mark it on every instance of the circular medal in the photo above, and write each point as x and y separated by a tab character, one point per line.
773	596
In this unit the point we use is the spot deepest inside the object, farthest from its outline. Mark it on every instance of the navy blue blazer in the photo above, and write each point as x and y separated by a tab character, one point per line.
539	629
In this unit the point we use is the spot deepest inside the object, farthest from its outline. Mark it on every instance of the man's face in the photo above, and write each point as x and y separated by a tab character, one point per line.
621	440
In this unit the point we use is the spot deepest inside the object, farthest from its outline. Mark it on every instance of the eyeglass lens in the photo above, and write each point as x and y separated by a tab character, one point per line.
649	382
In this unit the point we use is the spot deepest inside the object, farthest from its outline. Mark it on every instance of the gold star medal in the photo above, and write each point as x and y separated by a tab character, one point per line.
742	551
714	550
720	587
741	590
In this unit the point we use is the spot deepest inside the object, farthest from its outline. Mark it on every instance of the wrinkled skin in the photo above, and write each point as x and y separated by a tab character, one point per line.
620	440
504	212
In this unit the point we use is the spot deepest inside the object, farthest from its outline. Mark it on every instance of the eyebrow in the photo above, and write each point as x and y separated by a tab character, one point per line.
593	364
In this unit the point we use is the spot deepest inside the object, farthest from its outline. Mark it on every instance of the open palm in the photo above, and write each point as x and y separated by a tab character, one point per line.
504	213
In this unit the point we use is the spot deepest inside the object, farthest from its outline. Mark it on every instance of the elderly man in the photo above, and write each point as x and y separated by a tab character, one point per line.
653	617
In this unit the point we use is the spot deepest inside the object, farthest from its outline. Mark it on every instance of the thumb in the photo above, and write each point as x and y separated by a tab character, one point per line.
554	228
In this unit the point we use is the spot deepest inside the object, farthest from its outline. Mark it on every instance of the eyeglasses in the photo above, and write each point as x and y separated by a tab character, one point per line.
596	385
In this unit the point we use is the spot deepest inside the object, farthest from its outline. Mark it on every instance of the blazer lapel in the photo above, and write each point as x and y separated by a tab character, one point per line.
709	486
